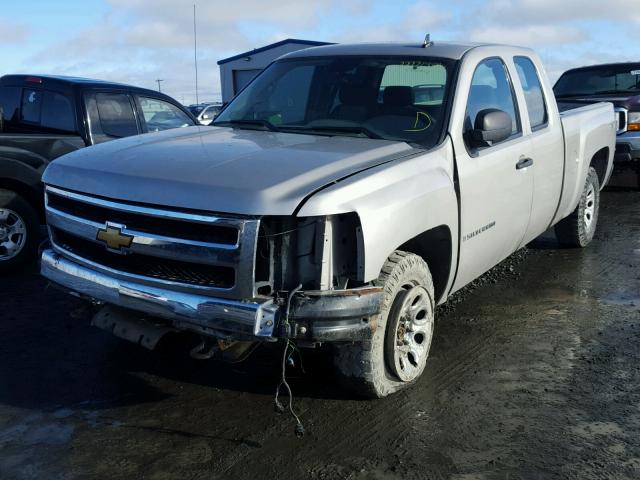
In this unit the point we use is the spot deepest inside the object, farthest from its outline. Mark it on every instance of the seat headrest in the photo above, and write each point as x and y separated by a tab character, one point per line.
398	96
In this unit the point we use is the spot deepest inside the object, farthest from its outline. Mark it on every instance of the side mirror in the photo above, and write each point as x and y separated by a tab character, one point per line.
492	125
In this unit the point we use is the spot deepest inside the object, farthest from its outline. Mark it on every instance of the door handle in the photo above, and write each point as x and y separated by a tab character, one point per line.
524	163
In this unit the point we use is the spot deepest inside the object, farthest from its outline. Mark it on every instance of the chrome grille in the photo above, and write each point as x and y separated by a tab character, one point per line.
189	250
623	115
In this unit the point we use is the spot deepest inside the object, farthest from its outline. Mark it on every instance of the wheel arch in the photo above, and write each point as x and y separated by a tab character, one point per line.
28	192
435	247
600	163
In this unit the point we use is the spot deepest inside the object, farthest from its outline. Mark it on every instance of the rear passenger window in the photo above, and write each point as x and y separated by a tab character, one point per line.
116	115
426	80
57	112
491	89
533	95
31	105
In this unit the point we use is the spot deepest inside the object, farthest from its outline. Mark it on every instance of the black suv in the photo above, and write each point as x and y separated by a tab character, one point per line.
44	117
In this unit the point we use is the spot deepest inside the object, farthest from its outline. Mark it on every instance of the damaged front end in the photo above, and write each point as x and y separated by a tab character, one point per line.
228	278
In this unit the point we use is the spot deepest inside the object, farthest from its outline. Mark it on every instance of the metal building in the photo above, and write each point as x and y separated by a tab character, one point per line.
239	70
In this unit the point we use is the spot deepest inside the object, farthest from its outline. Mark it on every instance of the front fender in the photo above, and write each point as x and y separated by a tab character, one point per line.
395	202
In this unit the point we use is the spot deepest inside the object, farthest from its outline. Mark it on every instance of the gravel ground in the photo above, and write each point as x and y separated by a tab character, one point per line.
534	374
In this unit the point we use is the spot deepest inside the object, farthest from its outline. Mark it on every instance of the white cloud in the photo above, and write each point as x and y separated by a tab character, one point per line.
138	41
554	11
528	36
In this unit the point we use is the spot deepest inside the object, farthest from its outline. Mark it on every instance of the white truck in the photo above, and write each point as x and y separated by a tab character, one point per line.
341	196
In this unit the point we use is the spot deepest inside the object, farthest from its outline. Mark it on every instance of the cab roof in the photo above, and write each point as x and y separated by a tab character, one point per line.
451	50
68	82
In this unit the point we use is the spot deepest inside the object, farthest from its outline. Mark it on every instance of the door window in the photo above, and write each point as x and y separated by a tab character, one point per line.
533	95
491	88
57	112
160	115
116	115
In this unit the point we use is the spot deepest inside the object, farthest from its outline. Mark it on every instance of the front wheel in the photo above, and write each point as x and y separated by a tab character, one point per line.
19	231
397	352
577	229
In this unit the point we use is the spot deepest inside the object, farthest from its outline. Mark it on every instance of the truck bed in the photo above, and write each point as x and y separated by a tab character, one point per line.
587	127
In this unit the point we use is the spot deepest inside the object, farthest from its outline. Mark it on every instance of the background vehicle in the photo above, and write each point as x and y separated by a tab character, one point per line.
318	211
618	83
43	117
205	112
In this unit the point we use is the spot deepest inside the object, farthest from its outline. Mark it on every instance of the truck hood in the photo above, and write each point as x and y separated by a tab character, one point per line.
628	101
219	169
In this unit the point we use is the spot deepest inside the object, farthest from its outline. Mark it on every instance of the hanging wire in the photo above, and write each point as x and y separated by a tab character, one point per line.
299	430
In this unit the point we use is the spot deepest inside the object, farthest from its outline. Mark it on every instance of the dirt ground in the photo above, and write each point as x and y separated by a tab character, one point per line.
534	374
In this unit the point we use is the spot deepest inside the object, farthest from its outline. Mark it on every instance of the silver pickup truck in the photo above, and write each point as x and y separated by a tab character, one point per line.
340	197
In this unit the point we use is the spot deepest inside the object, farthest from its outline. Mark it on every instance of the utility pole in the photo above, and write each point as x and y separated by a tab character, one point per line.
159	80
195	50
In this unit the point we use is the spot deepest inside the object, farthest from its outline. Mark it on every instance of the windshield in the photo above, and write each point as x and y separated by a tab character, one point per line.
611	79
391	98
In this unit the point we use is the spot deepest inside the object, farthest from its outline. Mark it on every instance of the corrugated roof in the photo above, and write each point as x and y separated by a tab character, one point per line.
310	43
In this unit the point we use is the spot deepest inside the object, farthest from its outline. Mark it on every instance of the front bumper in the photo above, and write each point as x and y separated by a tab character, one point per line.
628	149
317	316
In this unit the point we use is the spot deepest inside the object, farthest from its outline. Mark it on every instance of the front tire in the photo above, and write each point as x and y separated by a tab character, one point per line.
19	231
577	229
397	352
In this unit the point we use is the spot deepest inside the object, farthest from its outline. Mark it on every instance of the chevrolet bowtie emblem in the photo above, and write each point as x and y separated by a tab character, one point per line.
113	237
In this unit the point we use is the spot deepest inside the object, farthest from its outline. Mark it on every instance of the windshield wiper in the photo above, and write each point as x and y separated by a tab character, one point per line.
250	122
609	92
335	128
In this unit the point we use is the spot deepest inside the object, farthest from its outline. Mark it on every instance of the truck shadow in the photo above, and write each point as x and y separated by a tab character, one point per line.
52	358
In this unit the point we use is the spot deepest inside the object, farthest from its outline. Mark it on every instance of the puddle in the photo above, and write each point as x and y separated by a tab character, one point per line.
48	433
622	298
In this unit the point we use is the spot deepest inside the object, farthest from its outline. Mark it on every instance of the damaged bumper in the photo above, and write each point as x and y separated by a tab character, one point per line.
317	316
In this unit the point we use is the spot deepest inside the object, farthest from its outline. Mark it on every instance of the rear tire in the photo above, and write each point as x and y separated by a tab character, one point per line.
577	229
396	355
19	231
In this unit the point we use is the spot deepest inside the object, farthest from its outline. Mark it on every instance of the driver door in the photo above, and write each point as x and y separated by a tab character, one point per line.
495	184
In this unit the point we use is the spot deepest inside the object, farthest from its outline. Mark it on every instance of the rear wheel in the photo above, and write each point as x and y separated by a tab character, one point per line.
396	355
19	231
577	229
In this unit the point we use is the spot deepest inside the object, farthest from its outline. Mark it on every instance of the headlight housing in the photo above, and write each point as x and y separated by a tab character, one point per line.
633	122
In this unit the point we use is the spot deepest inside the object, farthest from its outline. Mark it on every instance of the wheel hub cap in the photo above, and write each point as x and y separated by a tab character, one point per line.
412	330
13	234
589	206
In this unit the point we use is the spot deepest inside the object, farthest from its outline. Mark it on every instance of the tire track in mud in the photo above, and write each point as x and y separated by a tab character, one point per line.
531	377
369	430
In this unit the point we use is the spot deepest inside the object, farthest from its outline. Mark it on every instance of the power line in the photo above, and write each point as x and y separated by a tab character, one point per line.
195	49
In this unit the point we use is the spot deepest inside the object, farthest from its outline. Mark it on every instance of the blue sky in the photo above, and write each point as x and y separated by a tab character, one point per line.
138	41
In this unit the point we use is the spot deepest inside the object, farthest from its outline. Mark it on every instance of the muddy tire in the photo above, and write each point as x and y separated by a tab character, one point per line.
395	356
19	231
577	229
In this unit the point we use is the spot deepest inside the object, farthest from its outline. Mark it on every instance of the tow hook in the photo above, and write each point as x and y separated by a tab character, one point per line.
205	350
